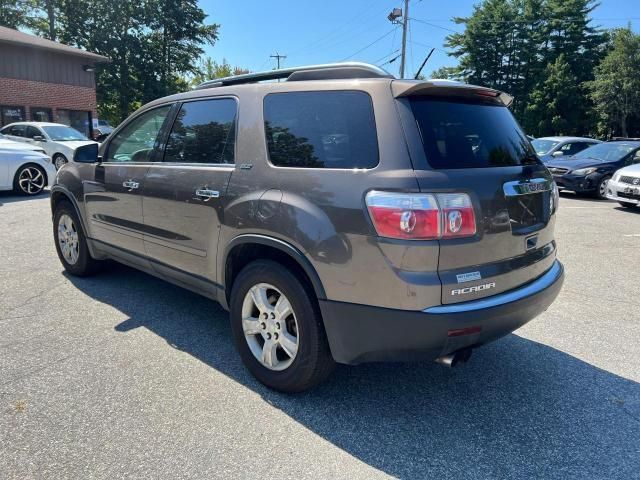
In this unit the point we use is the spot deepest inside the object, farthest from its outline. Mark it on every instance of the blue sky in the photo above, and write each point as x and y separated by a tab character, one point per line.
320	31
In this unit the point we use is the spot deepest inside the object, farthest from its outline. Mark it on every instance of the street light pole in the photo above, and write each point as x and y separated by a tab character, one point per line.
405	23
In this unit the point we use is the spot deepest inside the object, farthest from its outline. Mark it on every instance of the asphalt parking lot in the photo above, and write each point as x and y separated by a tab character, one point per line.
123	375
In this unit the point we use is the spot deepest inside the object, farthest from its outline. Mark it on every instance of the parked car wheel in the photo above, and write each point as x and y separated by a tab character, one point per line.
278	328
628	205
59	160
71	242
29	180
601	189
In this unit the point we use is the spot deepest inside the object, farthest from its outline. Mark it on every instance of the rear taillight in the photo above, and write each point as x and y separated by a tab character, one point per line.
421	216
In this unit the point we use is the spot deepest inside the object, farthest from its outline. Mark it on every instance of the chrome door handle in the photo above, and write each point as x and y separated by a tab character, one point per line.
207	194
130	184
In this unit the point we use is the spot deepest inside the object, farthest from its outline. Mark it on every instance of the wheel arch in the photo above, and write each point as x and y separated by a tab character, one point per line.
246	248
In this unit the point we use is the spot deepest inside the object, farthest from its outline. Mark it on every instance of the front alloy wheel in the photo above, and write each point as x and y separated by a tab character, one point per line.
68	239
270	326
602	188
59	161
30	180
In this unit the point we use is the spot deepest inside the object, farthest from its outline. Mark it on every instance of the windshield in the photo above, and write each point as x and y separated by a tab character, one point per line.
542	147
62	133
459	134
103	123
610	152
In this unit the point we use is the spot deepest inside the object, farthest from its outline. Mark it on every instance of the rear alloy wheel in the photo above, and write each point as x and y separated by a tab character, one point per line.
270	326
59	161
278	328
29	180
601	190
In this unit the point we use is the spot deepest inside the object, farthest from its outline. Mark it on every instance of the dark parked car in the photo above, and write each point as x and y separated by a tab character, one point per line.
591	169
341	215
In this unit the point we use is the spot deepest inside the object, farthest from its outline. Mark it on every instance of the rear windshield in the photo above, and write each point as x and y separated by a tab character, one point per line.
458	134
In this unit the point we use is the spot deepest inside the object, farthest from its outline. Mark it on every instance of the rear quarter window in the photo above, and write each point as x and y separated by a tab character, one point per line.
334	129
460	134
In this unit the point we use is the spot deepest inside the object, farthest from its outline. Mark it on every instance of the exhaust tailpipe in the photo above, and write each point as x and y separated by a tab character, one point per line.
455	358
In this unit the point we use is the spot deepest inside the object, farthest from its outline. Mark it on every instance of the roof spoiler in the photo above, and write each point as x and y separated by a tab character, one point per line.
440	88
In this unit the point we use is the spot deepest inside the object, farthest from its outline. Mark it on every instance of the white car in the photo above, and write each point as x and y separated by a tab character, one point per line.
624	186
58	141
26	169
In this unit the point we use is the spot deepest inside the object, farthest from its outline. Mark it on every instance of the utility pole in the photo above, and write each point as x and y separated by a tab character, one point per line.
405	24
277	56
393	17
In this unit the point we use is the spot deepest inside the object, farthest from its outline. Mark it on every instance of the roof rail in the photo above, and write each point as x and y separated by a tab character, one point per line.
329	71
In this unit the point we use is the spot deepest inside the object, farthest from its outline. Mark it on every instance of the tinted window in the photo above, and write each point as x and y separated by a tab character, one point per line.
458	134
203	132
33	132
321	130
136	141
610	152
573	148
542	146
18	130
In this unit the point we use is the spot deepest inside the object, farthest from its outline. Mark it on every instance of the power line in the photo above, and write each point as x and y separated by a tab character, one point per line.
386	56
372	43
529	21
434	25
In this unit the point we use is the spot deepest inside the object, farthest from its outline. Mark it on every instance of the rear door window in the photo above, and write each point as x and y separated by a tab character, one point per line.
460	134
332	129
203	132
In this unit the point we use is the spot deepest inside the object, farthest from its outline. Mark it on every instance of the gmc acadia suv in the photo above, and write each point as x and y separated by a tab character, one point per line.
341	215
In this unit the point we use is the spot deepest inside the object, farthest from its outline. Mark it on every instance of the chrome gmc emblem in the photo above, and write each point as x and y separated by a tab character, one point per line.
534	187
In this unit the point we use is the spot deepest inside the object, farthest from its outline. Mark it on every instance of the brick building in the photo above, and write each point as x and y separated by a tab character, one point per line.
46	81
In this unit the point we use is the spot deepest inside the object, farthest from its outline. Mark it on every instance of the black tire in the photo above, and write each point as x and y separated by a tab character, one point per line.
313	362
627	205
601	191
59	160
85	264
22	181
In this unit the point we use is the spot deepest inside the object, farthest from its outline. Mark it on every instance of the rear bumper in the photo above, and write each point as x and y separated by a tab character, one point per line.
362	333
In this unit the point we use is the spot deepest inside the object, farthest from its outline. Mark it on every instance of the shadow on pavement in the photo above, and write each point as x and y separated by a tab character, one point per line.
519	409
10	197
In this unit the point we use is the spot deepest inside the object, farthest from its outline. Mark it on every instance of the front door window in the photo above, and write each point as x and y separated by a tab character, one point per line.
137	140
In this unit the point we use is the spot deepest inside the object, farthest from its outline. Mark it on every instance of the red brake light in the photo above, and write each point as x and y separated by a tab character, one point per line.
421	216
457	214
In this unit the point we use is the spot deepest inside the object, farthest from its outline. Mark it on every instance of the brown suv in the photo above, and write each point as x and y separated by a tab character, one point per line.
340	216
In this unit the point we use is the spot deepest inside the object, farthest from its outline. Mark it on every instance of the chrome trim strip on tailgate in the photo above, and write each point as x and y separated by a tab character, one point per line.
538	285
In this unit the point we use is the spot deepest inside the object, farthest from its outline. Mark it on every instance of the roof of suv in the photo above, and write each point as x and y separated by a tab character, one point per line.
347	73
38	124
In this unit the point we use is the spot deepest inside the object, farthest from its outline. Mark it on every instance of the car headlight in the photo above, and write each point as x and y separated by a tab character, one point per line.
584	171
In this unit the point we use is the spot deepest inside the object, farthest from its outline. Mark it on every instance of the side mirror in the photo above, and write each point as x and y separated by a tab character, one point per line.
86	153
38	138
557	154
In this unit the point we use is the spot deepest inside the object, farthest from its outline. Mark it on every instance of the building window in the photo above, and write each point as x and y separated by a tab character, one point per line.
41	114
11	114
80	120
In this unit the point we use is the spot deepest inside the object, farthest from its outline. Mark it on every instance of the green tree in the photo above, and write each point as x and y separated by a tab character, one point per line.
615	89
510	45
151	44
554	107
208	69
18	13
